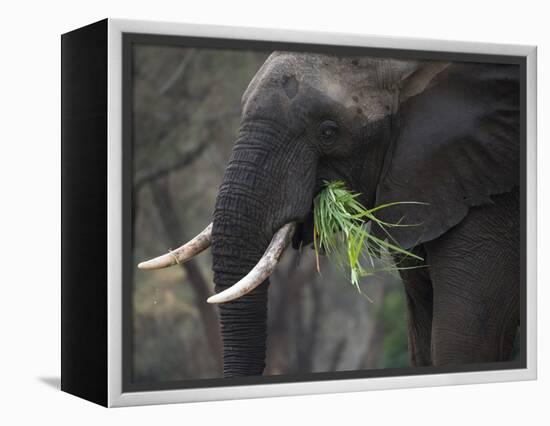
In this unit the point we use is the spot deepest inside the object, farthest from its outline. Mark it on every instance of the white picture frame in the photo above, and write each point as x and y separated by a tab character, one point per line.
116	396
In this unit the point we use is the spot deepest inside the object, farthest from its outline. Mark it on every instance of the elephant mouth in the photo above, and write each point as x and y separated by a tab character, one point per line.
304	231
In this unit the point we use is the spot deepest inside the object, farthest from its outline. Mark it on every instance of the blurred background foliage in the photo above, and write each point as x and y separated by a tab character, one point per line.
186	111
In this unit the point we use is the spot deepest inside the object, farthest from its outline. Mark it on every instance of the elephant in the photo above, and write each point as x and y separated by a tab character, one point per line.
443	134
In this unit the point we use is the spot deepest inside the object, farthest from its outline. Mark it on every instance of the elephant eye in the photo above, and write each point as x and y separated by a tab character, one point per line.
328	129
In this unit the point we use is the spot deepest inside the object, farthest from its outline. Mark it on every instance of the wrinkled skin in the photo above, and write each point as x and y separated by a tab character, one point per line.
439	133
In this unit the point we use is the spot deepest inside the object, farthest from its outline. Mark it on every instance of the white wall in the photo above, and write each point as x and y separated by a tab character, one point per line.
29	225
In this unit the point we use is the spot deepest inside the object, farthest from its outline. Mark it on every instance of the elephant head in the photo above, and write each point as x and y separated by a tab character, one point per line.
393	130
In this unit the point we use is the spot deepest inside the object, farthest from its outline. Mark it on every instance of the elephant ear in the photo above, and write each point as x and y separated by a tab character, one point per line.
456	143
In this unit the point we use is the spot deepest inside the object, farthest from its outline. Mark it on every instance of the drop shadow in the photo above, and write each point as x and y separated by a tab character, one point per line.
53	382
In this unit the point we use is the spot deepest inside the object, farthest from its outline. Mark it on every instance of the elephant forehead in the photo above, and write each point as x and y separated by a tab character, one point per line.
371	102
365	70
363	84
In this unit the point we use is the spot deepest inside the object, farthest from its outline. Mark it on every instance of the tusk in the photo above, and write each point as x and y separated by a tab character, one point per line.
263	268
182	254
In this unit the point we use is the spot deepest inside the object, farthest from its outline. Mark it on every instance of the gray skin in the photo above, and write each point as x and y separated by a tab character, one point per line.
445	134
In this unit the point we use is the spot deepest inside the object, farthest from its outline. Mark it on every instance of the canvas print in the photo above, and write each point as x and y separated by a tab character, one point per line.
297	213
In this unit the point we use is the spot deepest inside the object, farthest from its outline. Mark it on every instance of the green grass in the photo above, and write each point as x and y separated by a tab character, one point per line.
341	228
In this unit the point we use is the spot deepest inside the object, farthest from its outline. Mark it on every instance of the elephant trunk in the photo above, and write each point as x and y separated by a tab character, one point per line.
238	242
247	215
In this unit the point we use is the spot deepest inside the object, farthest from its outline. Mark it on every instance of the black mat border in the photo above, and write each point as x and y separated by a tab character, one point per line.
84	143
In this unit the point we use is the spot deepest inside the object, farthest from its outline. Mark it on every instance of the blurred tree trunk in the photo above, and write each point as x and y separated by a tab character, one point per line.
285	331
337	353
308	327
175	236
375	346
